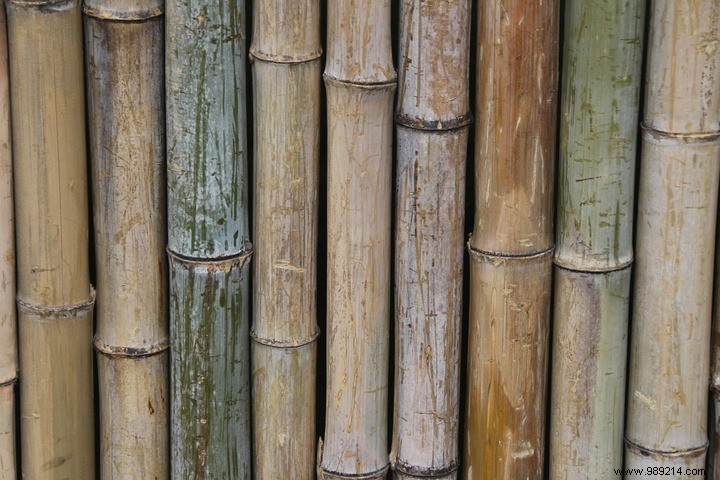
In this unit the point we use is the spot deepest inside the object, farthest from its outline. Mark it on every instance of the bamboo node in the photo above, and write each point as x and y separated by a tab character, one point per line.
572	267
9	383
271	342
658	454
697	137
105	12
132	352
388	84
424	472
419	123
49	5
283	59
56	312
477	254
219	264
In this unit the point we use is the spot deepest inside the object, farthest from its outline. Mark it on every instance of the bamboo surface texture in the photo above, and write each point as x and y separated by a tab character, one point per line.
433	117
677	201
126	117
287	71
598	131
360	82
512	242
208	240
55	300
8	321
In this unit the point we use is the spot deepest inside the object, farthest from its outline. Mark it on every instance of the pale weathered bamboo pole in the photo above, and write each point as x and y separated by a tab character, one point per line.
8	320
677	206
55	300
208	239
512	243
360	81
598	131
127	148
433	118
713	461
287	70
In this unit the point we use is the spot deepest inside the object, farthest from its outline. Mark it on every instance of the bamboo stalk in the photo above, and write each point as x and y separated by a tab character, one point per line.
433	118
208	240
360	82
714	447
677	207
287	68
8	320
512	243
55	300
125	105
600	105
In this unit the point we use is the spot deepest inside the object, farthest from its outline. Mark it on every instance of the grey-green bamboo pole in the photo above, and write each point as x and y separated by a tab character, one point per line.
598	131
433	118
8	320
675	241
360	81
287	71
55	300
512	242
126	116
208	239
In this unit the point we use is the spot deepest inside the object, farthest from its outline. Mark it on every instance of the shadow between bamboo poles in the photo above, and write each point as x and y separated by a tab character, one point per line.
8	317
55	301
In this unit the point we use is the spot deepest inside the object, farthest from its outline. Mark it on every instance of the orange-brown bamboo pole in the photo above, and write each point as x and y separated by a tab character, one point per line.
512	242
55	300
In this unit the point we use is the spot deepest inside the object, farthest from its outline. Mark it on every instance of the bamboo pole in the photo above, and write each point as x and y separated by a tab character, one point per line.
287	69
433	117
125	105
600	105
55	300
677	206
208	240
360	82
512	242
8	320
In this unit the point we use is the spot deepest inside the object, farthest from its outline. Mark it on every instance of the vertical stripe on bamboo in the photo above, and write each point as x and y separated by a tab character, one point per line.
55	301
360	82
287	73
126	117
433	117
677	207
512	243
208	239
8	320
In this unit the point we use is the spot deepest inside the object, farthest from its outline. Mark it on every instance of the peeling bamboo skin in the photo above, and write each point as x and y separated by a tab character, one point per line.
8	467
429	248
683	67
515	135
588	382
210	398
507	366
599	121
358	279
671	320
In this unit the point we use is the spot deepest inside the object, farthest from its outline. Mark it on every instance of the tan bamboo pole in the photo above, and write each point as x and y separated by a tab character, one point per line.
433	118
126	118
287	70
55	300
360	81
512	242
8	320
598	130
677	206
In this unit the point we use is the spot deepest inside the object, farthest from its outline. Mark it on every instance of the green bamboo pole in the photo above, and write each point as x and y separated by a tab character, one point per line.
126	117
360	81
512	242
433	118
287	70
600	107
208	240
55	300
677	207
8	320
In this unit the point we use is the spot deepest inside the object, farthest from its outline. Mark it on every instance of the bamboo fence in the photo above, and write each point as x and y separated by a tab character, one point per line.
55	300
287	72
8	321
677	208
600	104
360	82
208	240
126	118
433	118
